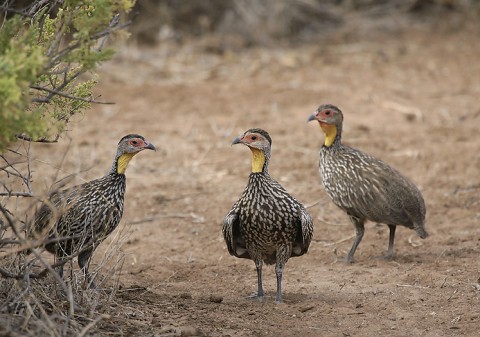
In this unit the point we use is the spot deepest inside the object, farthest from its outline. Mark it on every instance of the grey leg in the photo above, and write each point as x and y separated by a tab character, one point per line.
391	240
279	271
260	293
62	260
60	270
359	231
83	259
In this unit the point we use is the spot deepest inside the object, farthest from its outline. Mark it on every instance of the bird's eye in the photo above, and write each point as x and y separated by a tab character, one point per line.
327	112
254	137
134	142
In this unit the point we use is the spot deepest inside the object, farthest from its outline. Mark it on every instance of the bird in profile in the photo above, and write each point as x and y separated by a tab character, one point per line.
266	224
76	220
365	187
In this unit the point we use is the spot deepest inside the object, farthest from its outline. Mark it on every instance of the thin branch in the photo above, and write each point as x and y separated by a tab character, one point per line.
35	244
16	152
339	241
15	174
59	93
114	22
16	194
413	286
48	266
4	242
40	140
37	7
59	35
11	221
94	37
91	325
66	81
28	177
6	274
44	271
65	51
16	11
11	165
64	70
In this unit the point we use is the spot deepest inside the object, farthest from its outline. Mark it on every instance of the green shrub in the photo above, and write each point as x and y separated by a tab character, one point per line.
43	50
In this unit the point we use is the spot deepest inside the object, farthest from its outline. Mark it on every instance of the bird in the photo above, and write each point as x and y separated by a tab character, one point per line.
364	187
266	224
74	221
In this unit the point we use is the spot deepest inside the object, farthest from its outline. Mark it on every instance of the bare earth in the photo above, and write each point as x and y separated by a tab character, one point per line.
412	100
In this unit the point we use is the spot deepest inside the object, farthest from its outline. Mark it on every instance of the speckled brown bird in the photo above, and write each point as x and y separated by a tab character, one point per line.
76	220
266	224
365	187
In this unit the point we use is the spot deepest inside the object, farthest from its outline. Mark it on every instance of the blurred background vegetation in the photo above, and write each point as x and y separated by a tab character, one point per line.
241	23
43	54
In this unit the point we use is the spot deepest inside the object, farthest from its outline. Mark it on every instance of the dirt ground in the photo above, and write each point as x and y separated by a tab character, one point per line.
411	100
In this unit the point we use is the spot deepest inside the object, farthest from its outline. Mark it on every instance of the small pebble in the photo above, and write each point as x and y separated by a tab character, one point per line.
190	331
216	299
186	296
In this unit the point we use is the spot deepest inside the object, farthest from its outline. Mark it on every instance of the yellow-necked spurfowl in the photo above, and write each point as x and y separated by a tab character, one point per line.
76	220
266	224
365	187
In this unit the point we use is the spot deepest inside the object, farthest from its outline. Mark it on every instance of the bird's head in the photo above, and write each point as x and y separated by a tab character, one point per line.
330	119
133	143
259	142
128	147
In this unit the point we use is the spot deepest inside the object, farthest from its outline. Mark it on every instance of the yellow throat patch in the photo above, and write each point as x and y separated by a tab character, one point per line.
258	160
123	161
330	131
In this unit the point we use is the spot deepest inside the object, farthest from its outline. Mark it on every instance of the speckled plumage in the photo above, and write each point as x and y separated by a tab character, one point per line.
81	217
365	187
266	223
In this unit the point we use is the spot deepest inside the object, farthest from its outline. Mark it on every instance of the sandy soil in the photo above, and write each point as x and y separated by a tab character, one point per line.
411	100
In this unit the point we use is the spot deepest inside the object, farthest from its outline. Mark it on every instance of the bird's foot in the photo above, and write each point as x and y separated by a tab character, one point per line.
256	297
89	281
346	260
388	256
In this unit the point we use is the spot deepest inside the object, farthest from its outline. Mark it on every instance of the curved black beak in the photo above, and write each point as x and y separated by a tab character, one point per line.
237	140
150	146
312	117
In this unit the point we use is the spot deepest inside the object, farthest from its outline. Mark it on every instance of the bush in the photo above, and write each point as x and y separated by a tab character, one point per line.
44	48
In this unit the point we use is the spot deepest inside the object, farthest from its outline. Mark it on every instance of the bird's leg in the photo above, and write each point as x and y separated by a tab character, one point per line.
60	270
62	260
260	293
259	264
83	259
359	230
391	239
282	255
279	271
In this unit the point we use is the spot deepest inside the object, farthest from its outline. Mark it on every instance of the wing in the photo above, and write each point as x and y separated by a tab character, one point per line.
232	235
373	190
304	222
49	214
387	197
304	234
